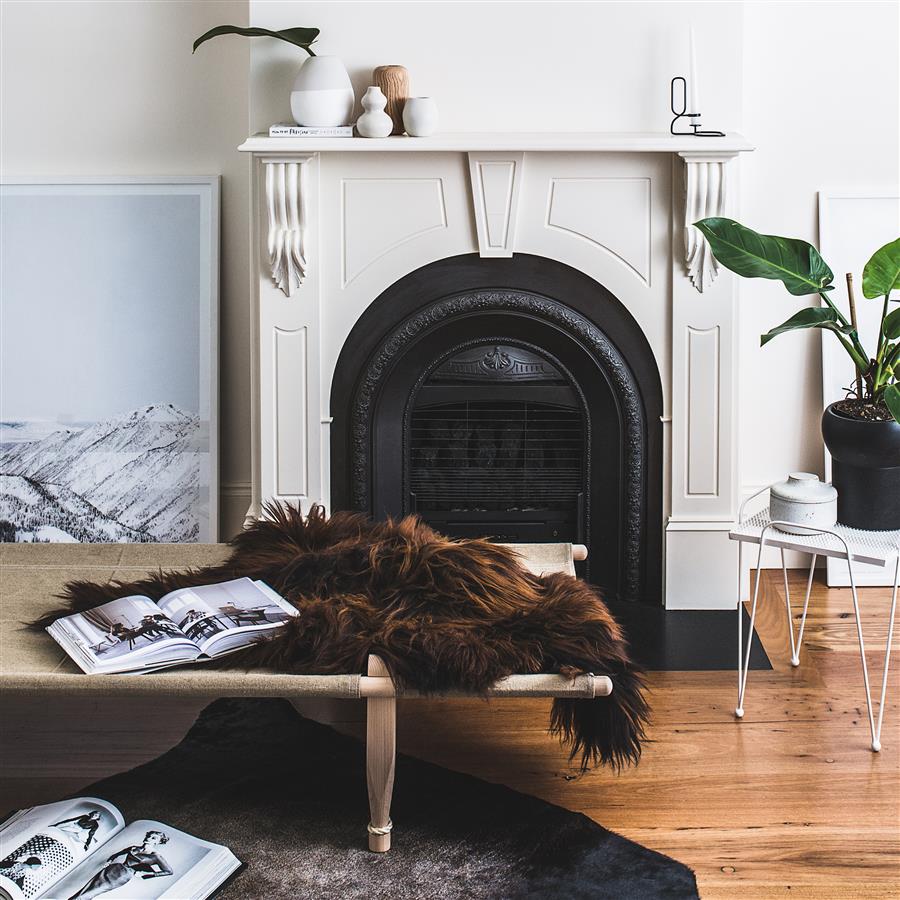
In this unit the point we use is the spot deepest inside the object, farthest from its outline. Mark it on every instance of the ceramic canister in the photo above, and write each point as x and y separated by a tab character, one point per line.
803	500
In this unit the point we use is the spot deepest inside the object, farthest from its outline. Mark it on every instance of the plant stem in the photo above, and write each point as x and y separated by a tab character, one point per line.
884	313
859	356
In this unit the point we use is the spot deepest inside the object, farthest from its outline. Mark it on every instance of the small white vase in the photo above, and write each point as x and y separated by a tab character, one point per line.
420	116
374	122
322	94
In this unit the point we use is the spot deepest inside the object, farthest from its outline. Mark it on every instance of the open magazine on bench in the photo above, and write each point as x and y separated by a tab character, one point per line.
136	634
82	848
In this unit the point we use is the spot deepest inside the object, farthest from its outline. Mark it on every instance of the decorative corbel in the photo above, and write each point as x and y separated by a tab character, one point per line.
286	204
704	182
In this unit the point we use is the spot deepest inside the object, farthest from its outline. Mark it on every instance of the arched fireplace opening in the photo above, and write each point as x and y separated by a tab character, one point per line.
510	398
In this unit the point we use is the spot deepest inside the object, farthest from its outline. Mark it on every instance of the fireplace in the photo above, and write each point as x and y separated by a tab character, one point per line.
428	310
526	412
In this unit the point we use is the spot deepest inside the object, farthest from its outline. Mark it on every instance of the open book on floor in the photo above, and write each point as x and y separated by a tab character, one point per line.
137	634
82	848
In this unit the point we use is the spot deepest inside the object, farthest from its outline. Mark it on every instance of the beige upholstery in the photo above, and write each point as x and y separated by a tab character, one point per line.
31	576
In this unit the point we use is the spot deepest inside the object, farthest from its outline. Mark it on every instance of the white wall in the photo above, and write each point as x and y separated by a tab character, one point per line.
515	66
112	89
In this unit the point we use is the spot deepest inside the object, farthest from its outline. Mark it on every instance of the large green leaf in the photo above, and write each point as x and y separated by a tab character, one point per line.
300	37
881	274
892	399
890	327
812	317
795	263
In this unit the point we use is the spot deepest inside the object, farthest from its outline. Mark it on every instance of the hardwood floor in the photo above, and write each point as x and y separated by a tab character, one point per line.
789	802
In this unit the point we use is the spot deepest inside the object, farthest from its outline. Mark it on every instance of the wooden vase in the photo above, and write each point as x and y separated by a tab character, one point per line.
394	84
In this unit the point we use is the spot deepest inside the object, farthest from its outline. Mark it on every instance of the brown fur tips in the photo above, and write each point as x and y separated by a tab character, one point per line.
442	614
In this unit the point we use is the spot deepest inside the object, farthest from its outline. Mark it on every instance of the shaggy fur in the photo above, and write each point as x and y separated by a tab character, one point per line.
442	614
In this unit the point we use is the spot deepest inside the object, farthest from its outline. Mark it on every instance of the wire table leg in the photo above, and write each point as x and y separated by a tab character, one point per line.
742	676
738	710
876	744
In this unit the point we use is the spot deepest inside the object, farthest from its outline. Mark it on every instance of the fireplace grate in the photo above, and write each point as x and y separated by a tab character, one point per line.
496	455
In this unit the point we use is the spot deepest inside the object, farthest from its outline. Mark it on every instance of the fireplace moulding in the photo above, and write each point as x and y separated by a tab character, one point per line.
337	222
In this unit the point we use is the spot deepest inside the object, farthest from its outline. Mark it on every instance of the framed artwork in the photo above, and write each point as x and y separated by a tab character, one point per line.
853	224
109	359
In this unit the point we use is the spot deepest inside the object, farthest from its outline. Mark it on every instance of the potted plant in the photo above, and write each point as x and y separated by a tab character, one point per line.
862	432
322	95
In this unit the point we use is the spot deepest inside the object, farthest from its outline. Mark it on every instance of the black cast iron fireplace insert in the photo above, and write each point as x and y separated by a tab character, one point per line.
515	399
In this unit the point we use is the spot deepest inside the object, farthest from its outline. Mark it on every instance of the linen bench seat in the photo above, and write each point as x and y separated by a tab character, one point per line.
32	663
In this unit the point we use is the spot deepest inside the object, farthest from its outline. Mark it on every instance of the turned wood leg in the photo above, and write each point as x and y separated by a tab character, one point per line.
381	748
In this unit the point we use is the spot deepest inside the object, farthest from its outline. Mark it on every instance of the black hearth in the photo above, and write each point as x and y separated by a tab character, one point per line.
510	398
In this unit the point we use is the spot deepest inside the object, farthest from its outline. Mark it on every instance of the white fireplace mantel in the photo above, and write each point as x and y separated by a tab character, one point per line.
339	220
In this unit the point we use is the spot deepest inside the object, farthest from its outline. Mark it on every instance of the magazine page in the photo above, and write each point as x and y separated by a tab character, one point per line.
146	860
222	617
130	627
40	845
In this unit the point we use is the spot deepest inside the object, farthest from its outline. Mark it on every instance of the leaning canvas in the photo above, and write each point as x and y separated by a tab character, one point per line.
108	379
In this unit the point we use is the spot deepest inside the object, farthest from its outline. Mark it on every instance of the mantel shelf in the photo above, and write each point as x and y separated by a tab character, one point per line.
548	142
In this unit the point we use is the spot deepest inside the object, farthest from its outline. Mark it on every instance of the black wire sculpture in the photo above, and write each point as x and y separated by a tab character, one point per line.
693	124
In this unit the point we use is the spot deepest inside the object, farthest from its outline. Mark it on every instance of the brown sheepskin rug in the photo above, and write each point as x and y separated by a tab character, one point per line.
443	615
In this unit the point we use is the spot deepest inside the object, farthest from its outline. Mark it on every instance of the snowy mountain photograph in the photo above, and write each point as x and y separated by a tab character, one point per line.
107	415
133	477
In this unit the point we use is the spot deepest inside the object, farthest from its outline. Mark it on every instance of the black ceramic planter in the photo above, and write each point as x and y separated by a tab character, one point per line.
865	470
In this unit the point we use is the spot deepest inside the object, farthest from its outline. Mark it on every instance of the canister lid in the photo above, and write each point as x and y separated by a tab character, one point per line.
804	487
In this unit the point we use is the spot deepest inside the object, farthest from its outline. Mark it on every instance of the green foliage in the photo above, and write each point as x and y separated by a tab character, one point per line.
793	262
809	317
299	37
881	274
892	399
800	268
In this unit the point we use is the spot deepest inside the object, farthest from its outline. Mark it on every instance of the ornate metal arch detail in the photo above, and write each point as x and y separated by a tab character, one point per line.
566	319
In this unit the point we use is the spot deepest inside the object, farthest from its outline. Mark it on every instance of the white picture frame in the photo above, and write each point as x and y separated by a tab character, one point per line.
109	320
853	224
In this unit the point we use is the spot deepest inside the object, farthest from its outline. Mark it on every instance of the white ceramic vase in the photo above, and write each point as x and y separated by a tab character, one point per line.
374	122
420	116
322	94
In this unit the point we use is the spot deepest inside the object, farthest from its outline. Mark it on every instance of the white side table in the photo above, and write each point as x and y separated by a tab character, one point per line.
879	548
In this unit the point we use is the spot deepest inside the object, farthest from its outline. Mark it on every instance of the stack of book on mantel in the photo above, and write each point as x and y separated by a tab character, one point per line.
285	129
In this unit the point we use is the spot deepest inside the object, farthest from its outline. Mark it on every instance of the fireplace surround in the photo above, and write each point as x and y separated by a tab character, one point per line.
430	311
513	398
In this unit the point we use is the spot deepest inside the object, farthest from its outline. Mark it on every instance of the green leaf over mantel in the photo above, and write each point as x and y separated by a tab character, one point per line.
791	261
299	37
812	317
881	274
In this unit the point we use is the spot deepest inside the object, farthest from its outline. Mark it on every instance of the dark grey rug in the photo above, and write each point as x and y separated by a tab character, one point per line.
289	797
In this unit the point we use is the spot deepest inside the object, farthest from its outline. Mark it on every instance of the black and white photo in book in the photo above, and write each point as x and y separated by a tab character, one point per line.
80	849
108	419
133	634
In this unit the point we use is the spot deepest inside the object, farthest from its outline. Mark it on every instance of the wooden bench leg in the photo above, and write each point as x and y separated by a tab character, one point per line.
381	749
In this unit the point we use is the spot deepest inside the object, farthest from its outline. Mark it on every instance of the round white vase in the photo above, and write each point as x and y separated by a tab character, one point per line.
322	95
420	116
374	122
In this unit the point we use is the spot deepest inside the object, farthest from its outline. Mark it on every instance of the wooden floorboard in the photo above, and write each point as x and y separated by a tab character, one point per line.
789	802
